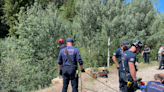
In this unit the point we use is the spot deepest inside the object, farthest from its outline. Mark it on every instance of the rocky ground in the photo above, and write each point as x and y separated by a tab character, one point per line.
91	85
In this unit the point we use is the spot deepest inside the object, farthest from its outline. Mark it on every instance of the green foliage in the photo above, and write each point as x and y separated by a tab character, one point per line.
30	62
3	27
70	10
11	8
44	3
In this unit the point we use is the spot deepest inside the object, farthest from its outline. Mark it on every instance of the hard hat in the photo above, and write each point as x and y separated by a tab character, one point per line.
60	40
137	43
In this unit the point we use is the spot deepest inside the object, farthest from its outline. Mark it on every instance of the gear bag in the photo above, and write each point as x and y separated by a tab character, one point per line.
102	74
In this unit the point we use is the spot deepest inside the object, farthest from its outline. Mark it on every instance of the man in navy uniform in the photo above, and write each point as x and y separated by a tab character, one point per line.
145	53
61	43
157	85
117	54
128	68
66	69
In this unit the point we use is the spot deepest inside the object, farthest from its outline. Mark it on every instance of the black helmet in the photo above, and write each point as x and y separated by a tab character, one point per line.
137	43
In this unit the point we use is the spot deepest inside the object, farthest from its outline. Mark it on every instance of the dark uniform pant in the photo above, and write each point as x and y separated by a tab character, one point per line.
146	57
124	87
68	73
120	84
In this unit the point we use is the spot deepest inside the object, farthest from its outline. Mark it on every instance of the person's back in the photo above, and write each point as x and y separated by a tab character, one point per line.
128	56
67	68
74	55
153	86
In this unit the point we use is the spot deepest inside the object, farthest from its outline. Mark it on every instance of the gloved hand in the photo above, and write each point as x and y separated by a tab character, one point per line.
60	72
58	46
135	84
83	70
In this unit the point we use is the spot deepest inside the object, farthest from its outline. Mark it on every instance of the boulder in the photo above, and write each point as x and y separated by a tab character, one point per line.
88	70
100	69
57	80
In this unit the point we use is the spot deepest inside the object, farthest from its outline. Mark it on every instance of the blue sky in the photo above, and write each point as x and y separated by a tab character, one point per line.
161	7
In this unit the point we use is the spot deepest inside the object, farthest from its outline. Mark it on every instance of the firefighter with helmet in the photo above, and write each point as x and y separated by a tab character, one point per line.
61	43
128	68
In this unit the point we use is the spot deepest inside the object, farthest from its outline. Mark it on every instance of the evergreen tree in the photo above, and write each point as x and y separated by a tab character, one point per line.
130	21
70	10
11	8
93	24
3	27
139	21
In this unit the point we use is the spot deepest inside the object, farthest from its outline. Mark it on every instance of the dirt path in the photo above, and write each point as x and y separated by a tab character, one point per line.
91	85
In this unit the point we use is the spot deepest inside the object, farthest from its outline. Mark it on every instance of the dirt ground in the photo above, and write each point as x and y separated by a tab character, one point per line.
92	85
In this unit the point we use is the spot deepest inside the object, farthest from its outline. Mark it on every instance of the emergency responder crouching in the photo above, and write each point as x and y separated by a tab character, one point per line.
117	54
61	43
128	68
67	70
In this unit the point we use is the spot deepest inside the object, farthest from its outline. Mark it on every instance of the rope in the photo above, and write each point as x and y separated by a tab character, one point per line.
85	88
103	83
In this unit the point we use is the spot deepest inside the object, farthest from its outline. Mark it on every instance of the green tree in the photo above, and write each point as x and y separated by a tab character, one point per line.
130	21
3	27
70	10
11	8
140	21
35	52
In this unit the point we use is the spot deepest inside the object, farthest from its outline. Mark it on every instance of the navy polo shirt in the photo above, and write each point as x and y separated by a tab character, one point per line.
128	56
74	54
146	49
153	86
118	54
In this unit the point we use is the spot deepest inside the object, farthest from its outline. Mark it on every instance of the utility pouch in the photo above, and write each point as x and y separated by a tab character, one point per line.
125	76
129	84
76	74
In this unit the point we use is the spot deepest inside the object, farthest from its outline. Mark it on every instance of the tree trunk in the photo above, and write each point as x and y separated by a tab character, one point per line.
89	46
108	57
